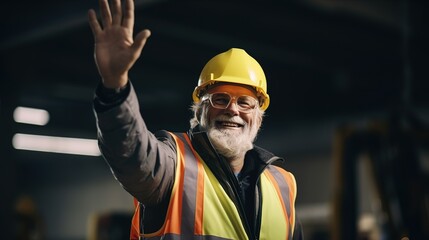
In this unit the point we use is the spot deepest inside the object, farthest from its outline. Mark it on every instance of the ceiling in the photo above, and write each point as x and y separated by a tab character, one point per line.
322	58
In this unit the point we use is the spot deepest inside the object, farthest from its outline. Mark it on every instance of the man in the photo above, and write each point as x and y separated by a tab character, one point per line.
208	183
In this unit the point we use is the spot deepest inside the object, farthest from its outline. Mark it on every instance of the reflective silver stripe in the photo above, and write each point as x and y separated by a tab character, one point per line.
189	194
284	189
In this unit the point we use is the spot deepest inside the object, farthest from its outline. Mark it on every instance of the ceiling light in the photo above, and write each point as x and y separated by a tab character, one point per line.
31	116
78	146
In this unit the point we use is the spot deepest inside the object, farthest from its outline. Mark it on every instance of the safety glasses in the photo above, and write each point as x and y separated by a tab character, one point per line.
222	100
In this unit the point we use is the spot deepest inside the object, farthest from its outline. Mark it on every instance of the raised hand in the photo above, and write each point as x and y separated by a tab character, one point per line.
116	50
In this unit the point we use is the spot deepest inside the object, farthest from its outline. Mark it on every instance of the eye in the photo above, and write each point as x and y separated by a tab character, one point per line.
246	102
220	99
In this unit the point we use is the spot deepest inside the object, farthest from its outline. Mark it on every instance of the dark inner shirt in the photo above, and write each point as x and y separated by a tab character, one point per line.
247	182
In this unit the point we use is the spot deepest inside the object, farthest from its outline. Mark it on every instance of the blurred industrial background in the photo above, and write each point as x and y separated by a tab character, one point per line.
348	81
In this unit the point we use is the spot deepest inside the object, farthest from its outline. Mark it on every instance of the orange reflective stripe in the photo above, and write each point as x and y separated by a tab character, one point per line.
174	223
292	194
192	218
279	193
199	201
285	180
135	222
199	207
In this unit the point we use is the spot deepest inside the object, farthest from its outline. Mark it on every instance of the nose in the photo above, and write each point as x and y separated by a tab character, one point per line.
233	108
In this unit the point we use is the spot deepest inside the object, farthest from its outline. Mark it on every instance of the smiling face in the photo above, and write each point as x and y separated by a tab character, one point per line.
231	118
230	130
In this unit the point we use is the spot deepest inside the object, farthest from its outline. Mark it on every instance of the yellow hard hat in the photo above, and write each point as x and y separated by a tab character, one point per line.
233	66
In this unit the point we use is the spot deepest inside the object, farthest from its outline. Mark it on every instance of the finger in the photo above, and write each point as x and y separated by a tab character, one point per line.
93	22
128	20
116	12
140	40
106	16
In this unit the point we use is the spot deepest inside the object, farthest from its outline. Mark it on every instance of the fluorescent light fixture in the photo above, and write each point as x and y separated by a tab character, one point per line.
31	116
78	146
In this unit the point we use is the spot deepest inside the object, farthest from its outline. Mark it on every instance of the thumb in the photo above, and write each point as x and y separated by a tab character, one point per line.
140	39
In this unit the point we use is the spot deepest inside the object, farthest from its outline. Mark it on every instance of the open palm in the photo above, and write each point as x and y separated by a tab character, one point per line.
115	49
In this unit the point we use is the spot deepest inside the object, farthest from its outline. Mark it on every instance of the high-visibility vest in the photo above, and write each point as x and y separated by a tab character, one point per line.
200	208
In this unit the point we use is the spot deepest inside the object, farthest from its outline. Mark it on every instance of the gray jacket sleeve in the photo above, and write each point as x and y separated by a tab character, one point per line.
143	162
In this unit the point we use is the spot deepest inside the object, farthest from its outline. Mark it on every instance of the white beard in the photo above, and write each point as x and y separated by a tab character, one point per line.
231	143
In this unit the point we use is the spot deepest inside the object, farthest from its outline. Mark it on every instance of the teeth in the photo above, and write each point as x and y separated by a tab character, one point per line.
230	124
